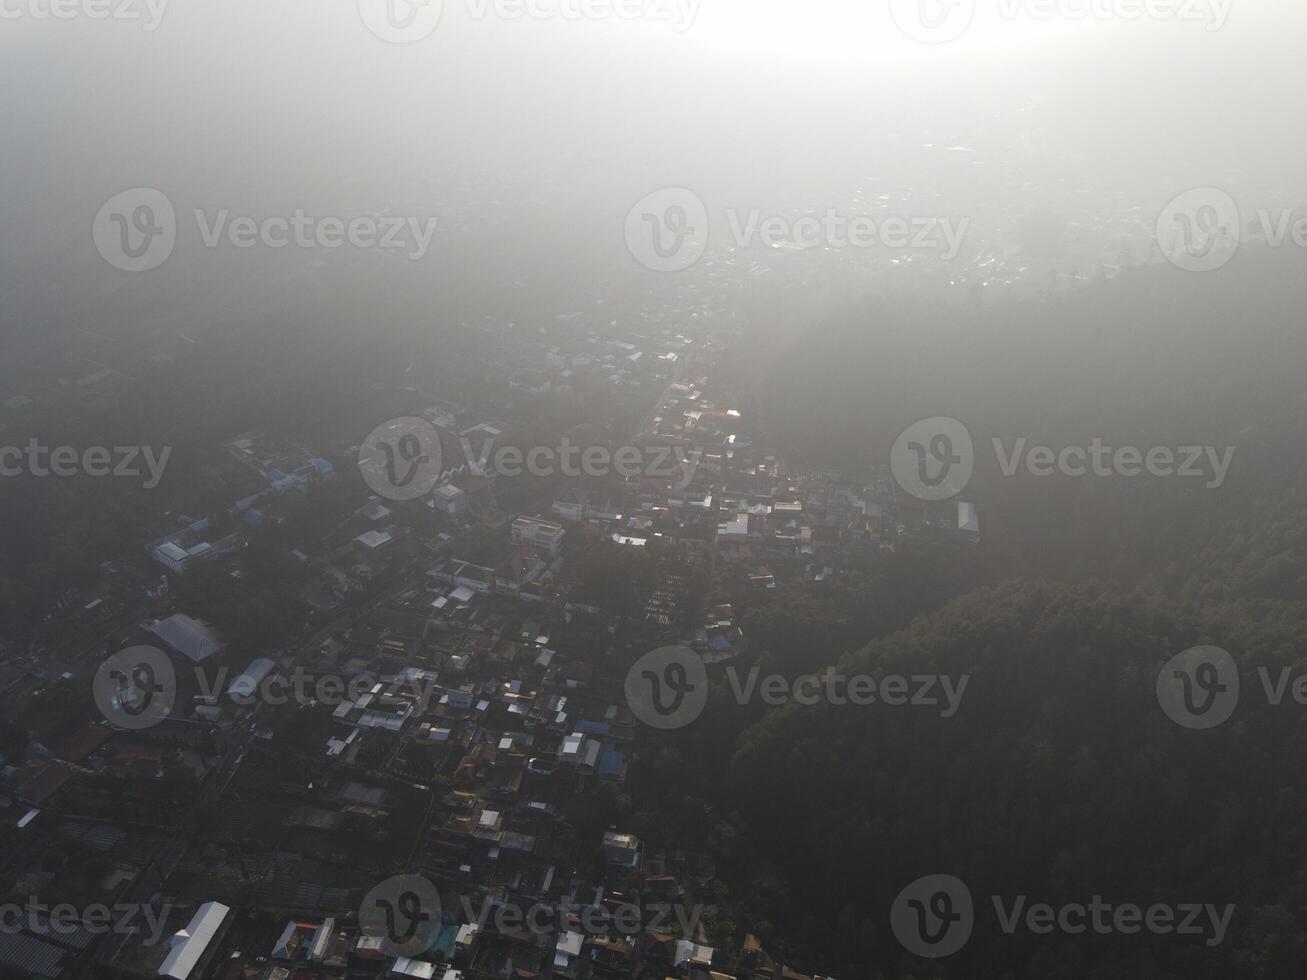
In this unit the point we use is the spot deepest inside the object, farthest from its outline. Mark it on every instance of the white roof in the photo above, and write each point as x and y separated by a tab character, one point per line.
189	637
570	942
687	951
414	968
968	517
189	944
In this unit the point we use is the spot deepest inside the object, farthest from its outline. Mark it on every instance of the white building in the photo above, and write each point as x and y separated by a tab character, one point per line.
968	518
179	559
622	850
449	500
540	533
191	638
191	943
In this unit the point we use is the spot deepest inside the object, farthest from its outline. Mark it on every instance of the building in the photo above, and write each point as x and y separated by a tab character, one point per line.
540	533
449	500
968	518
580	752
622	850
190	945
173	556
245	686
372	542
194	640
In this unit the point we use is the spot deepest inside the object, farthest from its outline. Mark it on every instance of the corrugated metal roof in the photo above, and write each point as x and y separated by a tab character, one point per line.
30	954
189	946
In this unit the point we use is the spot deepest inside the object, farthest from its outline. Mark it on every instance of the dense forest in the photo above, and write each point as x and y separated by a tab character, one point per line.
1061	778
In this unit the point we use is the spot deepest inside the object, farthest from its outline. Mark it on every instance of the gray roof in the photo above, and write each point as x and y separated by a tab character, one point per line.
191	638
31	955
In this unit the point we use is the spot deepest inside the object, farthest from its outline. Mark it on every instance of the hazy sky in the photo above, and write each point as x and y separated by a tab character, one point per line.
261	107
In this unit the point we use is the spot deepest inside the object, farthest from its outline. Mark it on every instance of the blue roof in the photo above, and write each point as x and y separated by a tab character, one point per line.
610	764
592	727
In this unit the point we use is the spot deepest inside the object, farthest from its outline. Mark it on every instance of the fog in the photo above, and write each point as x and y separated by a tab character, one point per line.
538	134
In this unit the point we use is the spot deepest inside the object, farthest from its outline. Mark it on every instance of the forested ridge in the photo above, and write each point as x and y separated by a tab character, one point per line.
1060	778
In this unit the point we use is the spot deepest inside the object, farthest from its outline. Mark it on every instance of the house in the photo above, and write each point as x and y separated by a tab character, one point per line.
580	752
521	568
692	956
568	949
374	512
372	542
536	531
622	850
449	500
